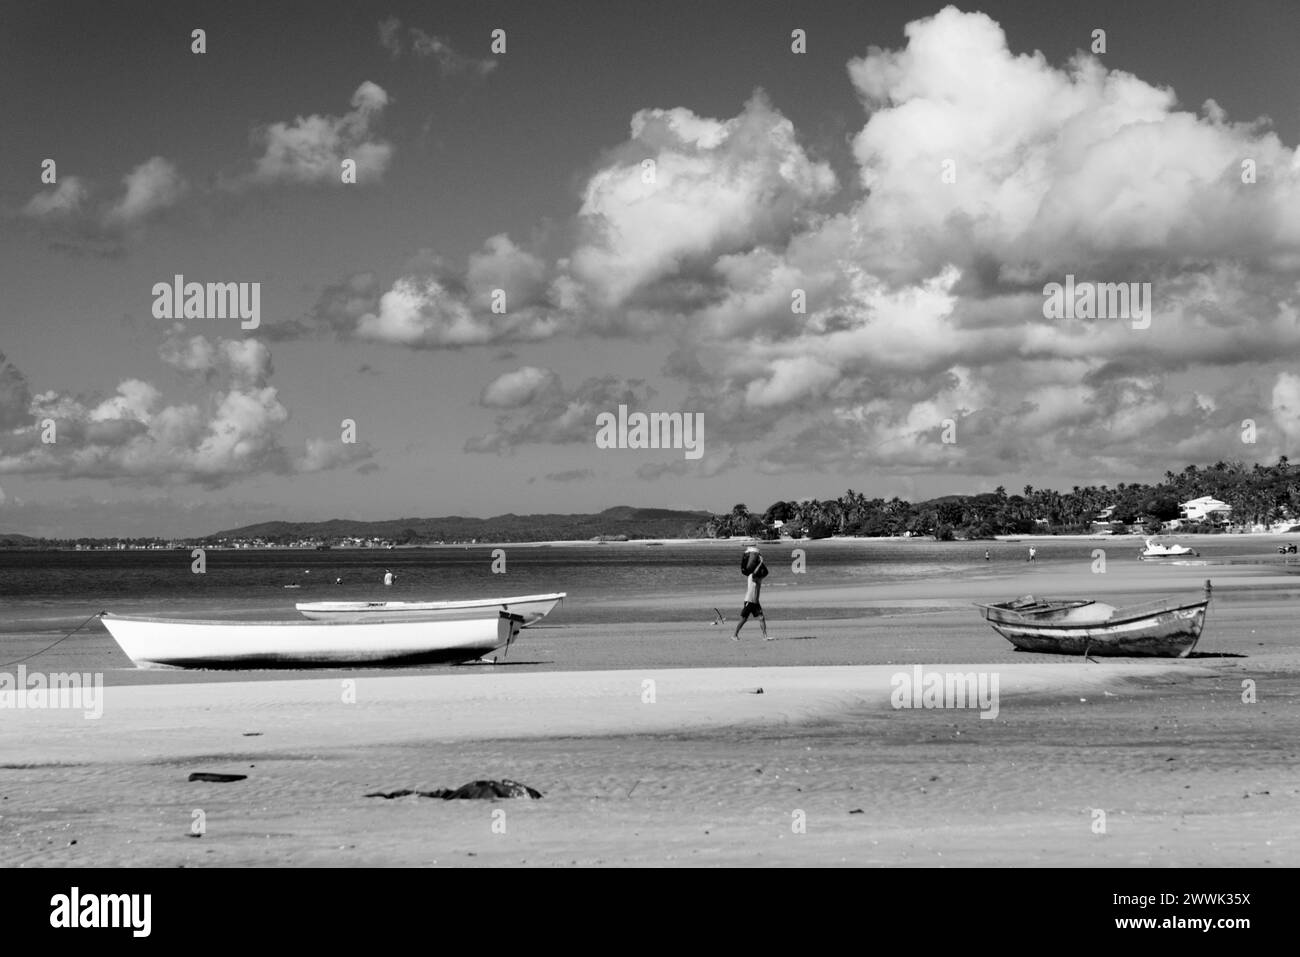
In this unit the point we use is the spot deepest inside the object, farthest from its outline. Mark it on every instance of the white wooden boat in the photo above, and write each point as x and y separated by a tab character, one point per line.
1155	550
532	608
1168	628
174	643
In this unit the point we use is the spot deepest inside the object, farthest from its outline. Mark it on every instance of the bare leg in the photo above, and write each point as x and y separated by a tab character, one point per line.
762	626
735	636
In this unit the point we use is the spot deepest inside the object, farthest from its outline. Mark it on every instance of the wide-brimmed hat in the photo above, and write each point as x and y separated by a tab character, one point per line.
751	548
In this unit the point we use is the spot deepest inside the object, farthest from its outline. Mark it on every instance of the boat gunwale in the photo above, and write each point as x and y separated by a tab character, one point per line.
1120	616
295	622
359	606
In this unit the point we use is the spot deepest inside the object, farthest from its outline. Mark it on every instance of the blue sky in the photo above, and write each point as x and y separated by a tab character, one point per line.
523	171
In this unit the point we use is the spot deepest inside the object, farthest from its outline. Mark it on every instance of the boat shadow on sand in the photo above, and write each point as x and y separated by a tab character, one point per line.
496	664
1046	655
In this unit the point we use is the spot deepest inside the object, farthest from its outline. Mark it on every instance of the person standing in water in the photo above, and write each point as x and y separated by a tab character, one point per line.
388	577
755	570
1033	553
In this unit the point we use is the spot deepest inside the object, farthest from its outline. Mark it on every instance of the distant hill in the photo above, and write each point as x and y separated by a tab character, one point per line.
10	540
620	520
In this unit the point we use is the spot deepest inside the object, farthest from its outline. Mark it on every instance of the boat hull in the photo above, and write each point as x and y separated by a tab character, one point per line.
172	643
532	608
1160	629
1168	636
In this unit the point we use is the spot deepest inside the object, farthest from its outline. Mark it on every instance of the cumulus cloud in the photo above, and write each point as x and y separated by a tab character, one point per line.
721	188
135	435
311	149
512	390
74	219
518	275
246	362
832	327
308	151
715	187
551	414
153	186
501	297
925	298
1053	168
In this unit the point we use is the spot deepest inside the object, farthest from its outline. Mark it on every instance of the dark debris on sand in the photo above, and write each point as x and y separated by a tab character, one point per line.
481	790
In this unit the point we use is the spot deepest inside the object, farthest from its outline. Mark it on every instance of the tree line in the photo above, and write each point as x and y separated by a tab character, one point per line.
1259	494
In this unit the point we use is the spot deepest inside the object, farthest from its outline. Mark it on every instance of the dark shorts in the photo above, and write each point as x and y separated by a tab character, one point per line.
750	609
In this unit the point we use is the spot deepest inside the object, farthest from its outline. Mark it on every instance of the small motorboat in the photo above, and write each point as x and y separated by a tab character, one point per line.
1156	550
177	643
1168	628
532	608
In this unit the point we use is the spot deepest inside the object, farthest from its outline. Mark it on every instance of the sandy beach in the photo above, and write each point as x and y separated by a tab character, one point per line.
652	746
708	772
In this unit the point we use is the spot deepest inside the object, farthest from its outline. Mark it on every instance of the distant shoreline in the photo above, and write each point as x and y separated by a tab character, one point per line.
738	540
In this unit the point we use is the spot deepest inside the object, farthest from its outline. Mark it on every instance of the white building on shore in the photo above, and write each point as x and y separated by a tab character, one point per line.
1204	508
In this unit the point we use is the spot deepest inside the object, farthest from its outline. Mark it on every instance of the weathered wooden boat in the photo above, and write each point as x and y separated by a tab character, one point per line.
175	643
532	608
1168	628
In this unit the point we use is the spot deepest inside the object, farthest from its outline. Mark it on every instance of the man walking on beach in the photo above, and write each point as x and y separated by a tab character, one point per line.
754	569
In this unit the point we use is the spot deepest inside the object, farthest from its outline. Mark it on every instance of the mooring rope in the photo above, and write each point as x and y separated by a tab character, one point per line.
52	644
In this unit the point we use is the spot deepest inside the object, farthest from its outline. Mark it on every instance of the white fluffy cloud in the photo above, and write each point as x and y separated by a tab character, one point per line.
233	432
510	390
846	326
153	186
501	265
720	189
1055	168
502	297
77	219
308	151
311	149
715	187
922	283
244	361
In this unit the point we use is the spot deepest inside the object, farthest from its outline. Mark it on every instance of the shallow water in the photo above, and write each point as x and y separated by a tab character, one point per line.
43	595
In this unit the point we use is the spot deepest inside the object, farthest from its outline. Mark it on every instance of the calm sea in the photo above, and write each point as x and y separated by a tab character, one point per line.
45	594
